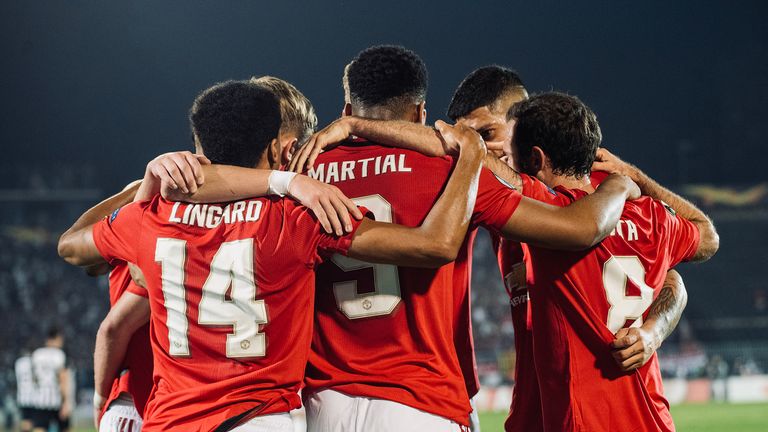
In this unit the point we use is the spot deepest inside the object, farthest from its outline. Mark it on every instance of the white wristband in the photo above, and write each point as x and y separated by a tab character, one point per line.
98	400
279	182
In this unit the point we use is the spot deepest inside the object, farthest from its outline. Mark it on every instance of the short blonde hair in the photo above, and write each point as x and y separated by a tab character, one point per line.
298	114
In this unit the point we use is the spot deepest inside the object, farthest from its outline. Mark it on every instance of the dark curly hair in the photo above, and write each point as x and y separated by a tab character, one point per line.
562	126
386	75
483	87
235	121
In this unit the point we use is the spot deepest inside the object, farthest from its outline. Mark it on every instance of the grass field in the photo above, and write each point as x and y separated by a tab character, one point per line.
688	418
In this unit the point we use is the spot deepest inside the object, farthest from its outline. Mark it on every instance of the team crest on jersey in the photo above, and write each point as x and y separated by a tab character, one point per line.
113	215
669	209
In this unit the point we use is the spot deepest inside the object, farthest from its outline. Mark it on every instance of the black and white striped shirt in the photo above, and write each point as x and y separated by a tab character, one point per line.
26	384
47	363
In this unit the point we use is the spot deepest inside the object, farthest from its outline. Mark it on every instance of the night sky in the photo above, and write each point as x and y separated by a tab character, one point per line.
680	88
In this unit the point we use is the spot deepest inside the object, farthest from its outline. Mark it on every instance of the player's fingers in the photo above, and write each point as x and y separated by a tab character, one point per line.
166	180
316	150
630	352
351	206
299	160
190	183
623	340
197	168
632	363
173	171
203	159
332	216
342	212
321	216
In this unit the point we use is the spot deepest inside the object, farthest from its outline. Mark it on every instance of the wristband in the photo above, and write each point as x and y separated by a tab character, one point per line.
279	182
98	400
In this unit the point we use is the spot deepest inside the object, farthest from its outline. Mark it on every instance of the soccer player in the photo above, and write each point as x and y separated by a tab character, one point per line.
482	101
580	301
231	286
26	390
53	403
383	354
129	393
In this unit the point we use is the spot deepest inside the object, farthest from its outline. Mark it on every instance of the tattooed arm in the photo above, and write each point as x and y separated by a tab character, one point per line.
634	346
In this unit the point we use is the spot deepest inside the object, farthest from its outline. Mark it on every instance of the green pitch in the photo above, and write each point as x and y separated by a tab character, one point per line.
688	418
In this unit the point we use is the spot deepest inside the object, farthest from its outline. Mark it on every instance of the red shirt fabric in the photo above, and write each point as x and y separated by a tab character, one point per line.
210	269
580	299
136	371
395	332
515	269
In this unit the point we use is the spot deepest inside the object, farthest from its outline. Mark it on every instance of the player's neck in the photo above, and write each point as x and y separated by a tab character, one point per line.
570	182
379	113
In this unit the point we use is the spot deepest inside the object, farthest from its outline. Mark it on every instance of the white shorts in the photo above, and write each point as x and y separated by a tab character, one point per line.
121	416
332	411
281	422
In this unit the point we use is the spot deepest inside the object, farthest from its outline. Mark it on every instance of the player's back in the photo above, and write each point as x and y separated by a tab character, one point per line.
47	362
383	331
231	291
579	300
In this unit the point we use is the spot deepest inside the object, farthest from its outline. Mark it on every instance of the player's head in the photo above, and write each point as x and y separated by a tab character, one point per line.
298	115
555	134
237	123
54	337
482	101
386	82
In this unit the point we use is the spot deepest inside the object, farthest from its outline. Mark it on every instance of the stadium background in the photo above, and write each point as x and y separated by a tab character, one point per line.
91	91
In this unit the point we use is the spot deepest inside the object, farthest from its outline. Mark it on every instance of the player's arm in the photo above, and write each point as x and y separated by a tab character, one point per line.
396	133
65	381
76	245
634	346
580	225
127	315
709	240
183	176
438	239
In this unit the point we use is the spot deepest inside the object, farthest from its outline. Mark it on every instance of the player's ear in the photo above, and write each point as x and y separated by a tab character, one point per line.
538	159
423	113
273	154
288	149
347	111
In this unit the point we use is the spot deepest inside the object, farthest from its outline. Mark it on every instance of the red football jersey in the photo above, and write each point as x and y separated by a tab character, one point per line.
231	289
516	272
136	372
580	299
389	332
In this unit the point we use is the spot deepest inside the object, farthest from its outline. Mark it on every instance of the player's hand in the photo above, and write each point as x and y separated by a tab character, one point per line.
633	190
461	139
65	411
178	171
610	163
633	347
331	207
336	132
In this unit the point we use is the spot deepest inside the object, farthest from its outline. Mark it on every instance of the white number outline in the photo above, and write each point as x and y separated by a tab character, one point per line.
232	265
386	294
616	271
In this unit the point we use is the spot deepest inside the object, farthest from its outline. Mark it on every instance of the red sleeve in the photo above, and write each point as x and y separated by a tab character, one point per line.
135	289
496	202
117	236
683	235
